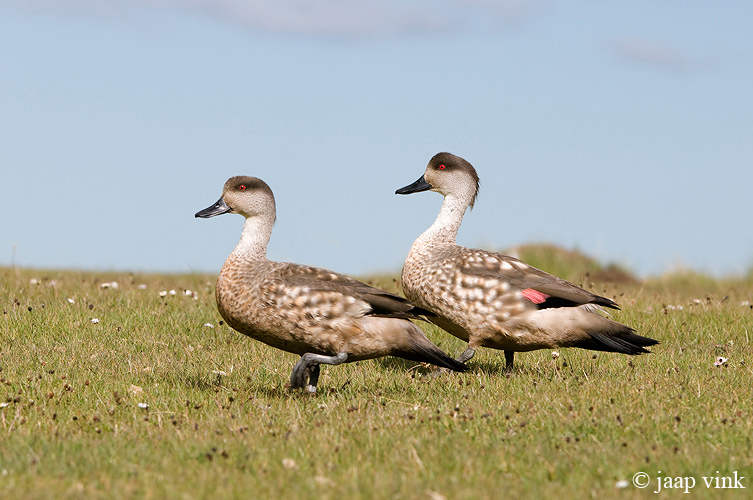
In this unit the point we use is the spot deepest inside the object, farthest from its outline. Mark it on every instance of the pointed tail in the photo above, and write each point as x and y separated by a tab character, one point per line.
617	338
422	350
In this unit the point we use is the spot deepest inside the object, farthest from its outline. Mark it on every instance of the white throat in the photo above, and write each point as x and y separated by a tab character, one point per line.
445	227
254	238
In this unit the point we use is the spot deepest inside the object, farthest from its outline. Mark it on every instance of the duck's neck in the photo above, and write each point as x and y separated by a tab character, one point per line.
445	227
254	239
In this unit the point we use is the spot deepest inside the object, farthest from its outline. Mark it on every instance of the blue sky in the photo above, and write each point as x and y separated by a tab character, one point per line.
623	129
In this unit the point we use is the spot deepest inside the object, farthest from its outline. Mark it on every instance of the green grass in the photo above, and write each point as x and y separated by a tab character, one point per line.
221	424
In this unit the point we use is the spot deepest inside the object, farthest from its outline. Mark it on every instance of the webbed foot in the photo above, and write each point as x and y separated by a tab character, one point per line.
305	373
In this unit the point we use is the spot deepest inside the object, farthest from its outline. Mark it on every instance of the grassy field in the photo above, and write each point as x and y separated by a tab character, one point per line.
118	385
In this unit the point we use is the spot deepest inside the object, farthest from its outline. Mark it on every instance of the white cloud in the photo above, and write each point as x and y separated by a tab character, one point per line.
312	17
350	18
507	11
319	17
651	52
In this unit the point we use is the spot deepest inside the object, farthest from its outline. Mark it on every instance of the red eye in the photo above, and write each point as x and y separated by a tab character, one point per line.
442	166
242	187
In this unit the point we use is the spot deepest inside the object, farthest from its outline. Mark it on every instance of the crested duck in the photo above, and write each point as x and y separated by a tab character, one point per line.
325	317
493	300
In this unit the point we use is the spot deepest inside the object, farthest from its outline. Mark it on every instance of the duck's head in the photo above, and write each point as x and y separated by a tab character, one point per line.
447	174
248	196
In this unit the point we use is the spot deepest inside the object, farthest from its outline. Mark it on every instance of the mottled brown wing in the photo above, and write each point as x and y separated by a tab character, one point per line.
520	275
382	302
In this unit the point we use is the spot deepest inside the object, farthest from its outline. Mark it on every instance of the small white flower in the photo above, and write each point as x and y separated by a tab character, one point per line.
323	481
220	373
745	303
143	406
209	325
33	281
621	484
555	354
95	320
720	361
434	495
135	390
163	293
188	293
172	292
289	463
3	405
71	301
141	287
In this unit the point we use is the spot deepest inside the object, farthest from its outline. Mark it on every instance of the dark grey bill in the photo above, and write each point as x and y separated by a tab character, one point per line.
218	208
416	187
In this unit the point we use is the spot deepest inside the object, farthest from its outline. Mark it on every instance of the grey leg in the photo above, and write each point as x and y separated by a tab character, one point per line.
307	369
509	356
466	355
313	378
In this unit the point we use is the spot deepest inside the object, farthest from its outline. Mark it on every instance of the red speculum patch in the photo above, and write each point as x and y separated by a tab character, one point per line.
534	295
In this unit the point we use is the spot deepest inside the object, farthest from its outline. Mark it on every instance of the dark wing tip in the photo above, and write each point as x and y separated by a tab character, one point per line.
603	301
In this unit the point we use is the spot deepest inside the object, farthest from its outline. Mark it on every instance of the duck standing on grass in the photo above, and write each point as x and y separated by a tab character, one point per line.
493	300
323	316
